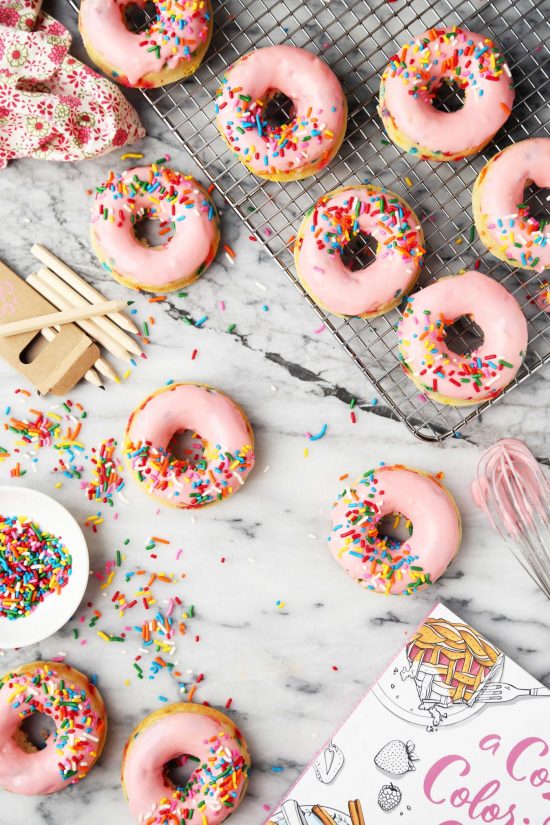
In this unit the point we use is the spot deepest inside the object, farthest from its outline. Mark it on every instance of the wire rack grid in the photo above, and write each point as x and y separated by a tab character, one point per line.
357	38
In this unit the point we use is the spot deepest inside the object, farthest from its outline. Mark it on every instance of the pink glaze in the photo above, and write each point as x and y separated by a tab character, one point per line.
179	30
391	567
320	109
500	187
73	747
511	488
332	223
414	75
485	372
223	463
164	195
209	798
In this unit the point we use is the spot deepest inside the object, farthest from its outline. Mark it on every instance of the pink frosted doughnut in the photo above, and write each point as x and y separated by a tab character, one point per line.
76	708
332	223
312	137
414	75
170	48
179	203
504	225
386	565
216	786
221	457
462	379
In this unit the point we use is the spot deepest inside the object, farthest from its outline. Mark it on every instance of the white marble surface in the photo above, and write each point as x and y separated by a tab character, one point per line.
276	664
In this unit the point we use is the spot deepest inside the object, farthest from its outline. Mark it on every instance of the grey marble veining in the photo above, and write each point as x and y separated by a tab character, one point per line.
276	664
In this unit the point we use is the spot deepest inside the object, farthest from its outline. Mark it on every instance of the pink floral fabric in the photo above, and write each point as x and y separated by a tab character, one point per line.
51	105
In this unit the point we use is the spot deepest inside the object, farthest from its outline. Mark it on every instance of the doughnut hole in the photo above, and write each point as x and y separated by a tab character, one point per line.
34	731
463	336
395	529
187	446
151	232
359	252
449	97
178	771
278	110
537	200
136	18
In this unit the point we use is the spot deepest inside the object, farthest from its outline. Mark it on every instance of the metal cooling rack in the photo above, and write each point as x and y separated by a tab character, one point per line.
357	37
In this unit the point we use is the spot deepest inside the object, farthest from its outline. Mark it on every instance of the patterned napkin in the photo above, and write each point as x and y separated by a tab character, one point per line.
51	105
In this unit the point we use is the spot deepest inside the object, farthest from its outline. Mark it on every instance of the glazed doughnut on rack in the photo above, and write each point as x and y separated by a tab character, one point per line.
309	140
170	48
415	75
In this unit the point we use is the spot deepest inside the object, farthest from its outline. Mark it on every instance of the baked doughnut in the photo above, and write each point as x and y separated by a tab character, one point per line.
502	219
181	206
439	372
415	74
309	140
216	787
220	460
331	224
76	708
170	48
386	565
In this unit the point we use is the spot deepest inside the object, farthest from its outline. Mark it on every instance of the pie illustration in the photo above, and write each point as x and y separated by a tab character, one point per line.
450	664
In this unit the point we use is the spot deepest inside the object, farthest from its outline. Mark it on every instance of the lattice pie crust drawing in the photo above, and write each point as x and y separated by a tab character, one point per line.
451	664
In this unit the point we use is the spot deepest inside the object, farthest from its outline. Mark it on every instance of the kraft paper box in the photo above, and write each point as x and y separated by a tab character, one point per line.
60	363
454	732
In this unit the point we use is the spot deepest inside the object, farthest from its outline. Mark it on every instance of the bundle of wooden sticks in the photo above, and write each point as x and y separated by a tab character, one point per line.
78	302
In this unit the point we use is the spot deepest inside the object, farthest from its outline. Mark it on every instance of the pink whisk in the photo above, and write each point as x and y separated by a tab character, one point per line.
514	493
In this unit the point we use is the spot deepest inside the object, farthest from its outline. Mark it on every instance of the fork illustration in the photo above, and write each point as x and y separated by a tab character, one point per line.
501	692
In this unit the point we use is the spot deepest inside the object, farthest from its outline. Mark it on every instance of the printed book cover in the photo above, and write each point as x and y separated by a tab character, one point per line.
454	732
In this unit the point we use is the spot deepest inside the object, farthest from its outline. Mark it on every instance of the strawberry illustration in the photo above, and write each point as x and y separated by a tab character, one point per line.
389	797
396	757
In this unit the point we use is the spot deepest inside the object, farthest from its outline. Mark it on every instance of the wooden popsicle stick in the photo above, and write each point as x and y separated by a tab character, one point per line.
91	376
77	300
94	332
79	284
66	316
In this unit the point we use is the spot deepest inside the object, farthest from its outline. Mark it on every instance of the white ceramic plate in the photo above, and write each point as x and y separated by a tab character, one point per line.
311	819
56	609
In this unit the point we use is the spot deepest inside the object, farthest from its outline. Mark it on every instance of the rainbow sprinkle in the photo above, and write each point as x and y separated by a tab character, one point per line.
522	237
178	31
479	371
78	727
419	67
208	473
453	56
216	784
543	298
33	564
107	473
151	612
385	560
306	138
168	196
394	224
59	429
